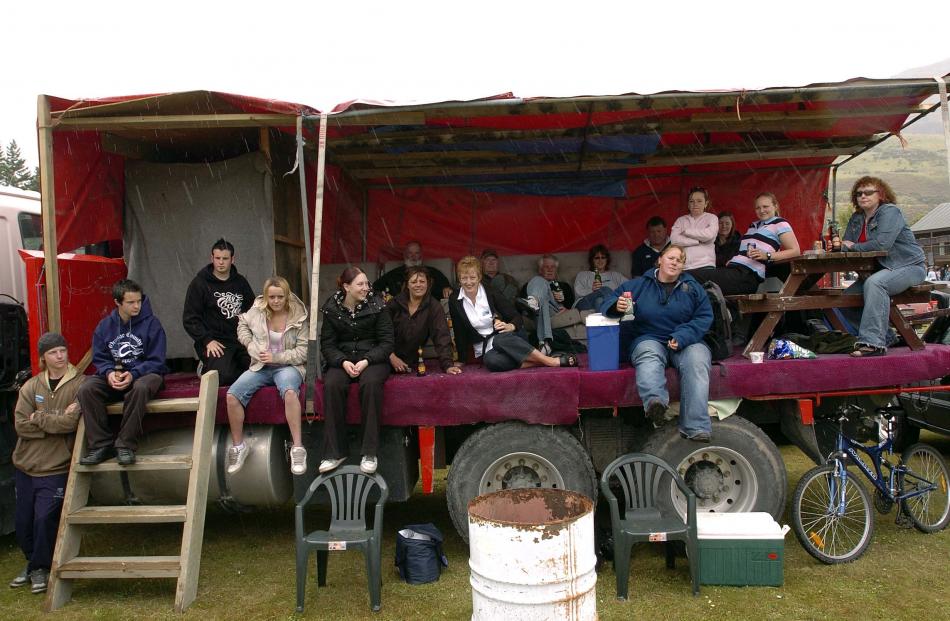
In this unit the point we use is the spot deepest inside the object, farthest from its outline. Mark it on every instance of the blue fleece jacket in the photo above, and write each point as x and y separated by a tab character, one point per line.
139	344
685	314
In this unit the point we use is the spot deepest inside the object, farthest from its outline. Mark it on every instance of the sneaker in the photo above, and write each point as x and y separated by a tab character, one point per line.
368	464
38	578
236	457
298	460
702	436
22	579
330	464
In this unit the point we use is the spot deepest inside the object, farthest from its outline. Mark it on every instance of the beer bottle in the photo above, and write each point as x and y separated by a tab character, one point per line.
835	238
455	353
421	365
597	276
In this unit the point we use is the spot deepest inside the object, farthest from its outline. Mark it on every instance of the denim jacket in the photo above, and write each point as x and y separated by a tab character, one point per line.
887	230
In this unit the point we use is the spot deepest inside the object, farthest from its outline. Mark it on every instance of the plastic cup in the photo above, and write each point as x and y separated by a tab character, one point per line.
757	357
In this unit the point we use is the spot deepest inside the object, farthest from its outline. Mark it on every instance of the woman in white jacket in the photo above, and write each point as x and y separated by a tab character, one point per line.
274	331
697	231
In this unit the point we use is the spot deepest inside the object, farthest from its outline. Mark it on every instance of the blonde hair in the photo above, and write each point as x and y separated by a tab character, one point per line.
769	196
469	263
282	284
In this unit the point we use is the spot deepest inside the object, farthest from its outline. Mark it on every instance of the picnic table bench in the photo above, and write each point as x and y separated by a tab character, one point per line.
799	293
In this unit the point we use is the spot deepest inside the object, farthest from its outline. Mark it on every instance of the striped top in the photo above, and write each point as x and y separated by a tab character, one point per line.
765	235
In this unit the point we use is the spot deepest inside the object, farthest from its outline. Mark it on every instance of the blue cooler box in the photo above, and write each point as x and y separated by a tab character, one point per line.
603	343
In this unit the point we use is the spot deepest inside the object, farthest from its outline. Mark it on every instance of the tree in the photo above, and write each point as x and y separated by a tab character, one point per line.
14	171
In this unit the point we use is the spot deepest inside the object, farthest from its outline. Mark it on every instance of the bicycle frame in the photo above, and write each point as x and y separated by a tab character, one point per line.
889	487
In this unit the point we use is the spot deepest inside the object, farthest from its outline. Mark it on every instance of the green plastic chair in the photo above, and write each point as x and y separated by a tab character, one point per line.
349	491
644	480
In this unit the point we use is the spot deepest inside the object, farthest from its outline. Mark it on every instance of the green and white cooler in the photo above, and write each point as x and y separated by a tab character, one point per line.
741	549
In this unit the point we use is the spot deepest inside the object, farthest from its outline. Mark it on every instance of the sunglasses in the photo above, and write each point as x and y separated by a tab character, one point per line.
599	256
865	192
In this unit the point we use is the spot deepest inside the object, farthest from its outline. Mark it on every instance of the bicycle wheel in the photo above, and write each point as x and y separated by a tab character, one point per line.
832	518
926	469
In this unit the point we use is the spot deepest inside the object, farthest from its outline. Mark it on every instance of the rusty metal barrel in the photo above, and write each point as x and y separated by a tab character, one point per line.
531	555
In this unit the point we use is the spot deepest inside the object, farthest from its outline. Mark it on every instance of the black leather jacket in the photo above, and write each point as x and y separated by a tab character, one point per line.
365	333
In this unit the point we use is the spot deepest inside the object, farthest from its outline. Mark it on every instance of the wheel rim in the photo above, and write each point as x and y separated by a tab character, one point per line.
519	471
832	532
722	479
928	509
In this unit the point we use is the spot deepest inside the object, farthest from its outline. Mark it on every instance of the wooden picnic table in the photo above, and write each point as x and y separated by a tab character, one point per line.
799	293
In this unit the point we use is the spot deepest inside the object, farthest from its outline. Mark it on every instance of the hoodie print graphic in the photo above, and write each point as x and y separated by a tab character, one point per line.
126	347
229	303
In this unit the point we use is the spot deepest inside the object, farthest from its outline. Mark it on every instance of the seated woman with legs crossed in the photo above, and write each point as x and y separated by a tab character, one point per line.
489	324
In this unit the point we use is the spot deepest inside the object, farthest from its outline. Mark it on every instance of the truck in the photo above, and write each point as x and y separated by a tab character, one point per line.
19	229
305	193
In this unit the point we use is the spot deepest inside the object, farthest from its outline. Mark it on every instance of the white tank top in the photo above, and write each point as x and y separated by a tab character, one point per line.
276	341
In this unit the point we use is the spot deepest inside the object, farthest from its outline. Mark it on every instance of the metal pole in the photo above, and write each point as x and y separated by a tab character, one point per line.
314	369
302	175
945	113
44	134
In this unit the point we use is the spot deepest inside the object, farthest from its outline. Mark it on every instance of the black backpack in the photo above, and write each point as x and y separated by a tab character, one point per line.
419	556
719	337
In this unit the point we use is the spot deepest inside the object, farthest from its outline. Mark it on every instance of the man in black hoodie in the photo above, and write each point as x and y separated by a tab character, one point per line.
215	298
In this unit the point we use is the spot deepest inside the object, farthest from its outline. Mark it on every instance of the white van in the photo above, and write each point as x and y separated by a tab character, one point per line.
20	227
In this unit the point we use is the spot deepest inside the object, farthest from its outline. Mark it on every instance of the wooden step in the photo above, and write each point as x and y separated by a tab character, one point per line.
163	406
143	463
120	567
138	514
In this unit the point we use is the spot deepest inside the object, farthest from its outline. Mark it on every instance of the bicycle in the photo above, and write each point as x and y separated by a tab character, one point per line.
831	510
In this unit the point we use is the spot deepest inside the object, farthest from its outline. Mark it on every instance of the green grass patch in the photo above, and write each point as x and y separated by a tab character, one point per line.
247	572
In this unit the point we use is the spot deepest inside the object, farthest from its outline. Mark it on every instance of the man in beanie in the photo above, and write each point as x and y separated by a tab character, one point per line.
46	416
128	351
502	283
215	298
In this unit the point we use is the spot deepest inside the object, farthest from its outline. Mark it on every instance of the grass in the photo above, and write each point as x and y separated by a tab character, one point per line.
248	573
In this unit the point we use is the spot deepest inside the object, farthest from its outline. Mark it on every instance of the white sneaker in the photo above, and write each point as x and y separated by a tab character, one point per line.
298	460
330	464
368	464
533	303
236	457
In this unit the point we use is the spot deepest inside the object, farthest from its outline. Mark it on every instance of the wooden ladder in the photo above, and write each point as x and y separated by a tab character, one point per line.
68	565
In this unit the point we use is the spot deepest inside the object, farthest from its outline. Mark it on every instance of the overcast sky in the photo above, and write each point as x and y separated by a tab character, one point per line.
323	53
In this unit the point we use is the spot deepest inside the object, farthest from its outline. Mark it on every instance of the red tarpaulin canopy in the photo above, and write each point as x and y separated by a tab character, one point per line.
520	175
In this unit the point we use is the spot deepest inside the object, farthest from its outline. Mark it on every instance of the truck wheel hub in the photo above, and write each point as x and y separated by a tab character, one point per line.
519	471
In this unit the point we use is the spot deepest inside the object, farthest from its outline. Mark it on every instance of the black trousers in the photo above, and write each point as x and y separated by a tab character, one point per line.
95	393
733	280
39	501
336	387
509	350
234	361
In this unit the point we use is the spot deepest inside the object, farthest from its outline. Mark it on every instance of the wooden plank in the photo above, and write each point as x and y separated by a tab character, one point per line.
651	162
175	121
903	328
197	500
88	567
143	463
44	133
283	239
820	302
137	514
162	406
68	537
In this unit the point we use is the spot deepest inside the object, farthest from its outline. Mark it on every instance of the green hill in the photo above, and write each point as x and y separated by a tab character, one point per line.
917	173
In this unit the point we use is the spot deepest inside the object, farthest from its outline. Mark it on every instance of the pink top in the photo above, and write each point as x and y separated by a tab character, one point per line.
697	236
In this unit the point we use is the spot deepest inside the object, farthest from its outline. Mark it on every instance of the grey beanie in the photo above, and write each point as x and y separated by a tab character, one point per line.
49	341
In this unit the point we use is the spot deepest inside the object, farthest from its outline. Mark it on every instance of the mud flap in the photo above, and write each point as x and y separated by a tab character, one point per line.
799	433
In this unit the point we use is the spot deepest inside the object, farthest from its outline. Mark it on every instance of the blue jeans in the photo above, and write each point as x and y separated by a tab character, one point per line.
594	299
650	358
878	289
540	289
284	377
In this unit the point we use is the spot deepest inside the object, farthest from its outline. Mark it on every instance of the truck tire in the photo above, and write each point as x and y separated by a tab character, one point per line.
740	470
515	455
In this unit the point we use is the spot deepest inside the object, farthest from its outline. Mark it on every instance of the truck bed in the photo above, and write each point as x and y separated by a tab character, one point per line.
554	396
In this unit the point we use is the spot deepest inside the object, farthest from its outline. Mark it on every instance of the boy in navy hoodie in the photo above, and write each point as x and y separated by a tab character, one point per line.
128	351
